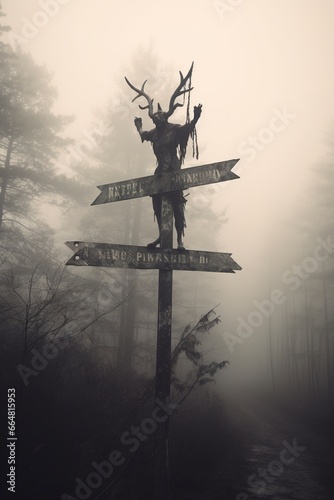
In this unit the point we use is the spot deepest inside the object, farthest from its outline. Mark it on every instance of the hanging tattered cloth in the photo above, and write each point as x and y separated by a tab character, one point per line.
188	131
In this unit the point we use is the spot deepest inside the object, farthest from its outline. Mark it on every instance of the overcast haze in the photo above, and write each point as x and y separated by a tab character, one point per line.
249	60
261	64
79	349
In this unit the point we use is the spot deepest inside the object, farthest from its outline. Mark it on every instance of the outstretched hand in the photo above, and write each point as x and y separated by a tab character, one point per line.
138	123
197	111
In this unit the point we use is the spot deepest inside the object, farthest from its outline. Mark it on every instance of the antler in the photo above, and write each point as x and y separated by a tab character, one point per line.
141	93
178	92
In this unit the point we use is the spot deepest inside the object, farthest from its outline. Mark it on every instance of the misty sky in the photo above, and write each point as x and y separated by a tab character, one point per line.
253	59
263	71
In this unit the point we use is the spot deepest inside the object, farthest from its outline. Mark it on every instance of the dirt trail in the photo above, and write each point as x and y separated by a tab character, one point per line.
274	456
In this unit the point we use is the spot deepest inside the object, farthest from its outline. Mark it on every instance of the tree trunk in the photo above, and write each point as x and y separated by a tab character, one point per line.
5	178
326	329
308	344
131	302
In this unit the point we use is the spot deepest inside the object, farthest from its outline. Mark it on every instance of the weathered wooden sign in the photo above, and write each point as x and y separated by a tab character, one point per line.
174	181
139	257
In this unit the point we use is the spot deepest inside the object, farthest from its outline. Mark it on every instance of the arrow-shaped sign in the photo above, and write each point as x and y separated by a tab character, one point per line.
139	257
173	181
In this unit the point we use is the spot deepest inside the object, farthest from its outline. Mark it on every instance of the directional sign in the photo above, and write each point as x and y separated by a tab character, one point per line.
173	181
139	257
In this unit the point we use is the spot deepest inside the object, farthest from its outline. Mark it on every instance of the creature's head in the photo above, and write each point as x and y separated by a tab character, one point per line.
160	117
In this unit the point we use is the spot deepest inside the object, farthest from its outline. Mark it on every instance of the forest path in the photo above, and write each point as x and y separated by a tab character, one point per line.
256	466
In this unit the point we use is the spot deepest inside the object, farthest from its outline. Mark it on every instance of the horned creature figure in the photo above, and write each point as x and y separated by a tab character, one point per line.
169	143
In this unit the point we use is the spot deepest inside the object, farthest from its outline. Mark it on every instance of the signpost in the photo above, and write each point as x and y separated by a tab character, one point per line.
166	260
138	257
169	142
167	182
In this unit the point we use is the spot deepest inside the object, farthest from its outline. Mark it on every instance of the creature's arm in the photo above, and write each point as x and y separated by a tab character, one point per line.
189	127
197	114
144	135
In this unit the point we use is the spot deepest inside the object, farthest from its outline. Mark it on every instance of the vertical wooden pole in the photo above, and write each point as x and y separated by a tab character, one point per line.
162	384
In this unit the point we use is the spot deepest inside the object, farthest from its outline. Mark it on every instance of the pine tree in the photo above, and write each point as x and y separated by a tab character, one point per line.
308	318
30	139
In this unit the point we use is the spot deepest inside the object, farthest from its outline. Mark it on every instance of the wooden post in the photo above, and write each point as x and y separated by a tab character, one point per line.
166	260
162	384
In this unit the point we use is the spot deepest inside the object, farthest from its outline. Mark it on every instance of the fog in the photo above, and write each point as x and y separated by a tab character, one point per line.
263	72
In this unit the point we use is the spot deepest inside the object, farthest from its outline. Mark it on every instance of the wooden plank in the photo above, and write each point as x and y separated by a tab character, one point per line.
173	181
163	358
140	257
